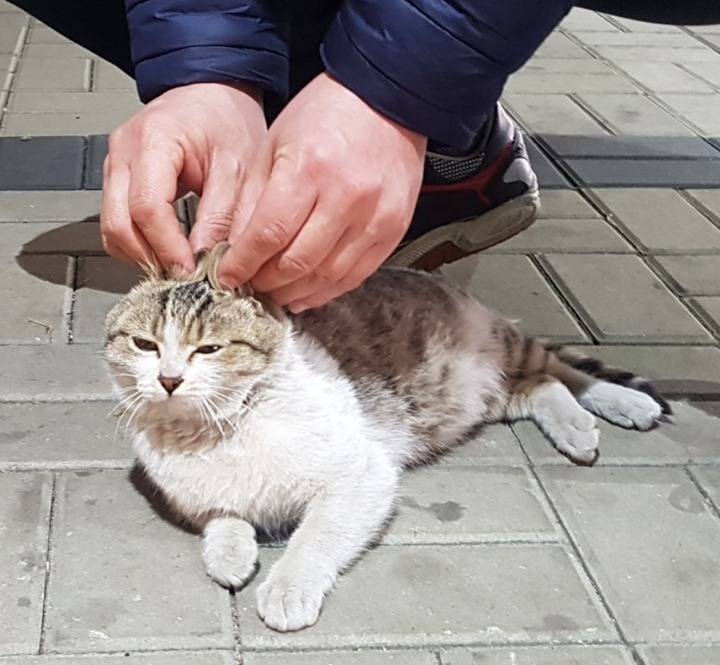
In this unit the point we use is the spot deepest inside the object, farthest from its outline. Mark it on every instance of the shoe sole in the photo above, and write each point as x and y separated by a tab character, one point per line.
452	242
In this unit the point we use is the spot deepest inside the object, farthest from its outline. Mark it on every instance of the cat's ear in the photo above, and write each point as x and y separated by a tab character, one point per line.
266	306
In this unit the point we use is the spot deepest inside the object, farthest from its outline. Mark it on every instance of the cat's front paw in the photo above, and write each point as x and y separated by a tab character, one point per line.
285	604
230	552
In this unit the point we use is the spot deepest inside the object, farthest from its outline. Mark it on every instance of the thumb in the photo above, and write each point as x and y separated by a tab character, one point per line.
250	192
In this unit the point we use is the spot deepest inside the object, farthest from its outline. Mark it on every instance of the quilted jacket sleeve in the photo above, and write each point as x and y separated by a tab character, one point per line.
177	42
436	66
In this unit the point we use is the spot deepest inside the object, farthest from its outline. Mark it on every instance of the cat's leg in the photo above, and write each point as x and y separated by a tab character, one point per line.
619	405
551	405
338	525
230	551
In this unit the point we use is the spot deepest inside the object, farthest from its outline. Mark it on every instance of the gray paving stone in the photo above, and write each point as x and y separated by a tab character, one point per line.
663	77
513	286
10	31
709	309
547	173
634	114
470	505
692	275
709	479
34	310
494	445
155	658
544	114
7	8
660	220
652	544
631	146
378	657
672	655
621	300
668	41
97	151
107	77
69	74
555	655
693	436
85	104
709	201
657	54
154	592
444	595
54	162
645	173
644	26
674	369
24	518
707	70
43	206
59	435
567	83
584	19
563	235
703	111
53	373
42	34
565	204
565	66
558	45
99	283
78	238
55	50
63	124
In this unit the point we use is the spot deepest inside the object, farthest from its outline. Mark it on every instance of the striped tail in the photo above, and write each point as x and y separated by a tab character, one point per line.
596	368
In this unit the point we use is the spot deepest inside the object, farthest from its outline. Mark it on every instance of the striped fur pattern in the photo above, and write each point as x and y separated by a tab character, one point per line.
246	418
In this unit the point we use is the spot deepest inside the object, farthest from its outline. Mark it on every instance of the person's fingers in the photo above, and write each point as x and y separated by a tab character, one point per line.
250	191
282	209
365	266
153	185
353	244
306	252
120	238
217	204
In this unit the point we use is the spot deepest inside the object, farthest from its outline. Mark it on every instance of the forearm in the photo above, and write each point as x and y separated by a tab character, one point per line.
436	67
178	42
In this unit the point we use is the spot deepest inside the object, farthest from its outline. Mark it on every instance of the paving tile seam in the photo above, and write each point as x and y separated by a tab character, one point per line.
697	76
709	502
698	205
236	626
49	551
574	309
579	562
600	337
410	642
684	301
64	467
702	316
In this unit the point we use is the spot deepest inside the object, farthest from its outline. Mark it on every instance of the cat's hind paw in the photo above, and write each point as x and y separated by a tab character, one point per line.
622	406
230	552
286	606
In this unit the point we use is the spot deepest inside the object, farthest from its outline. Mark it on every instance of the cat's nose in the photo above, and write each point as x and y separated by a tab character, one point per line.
170	383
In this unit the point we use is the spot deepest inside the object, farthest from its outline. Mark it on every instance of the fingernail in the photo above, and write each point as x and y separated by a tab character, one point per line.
298	307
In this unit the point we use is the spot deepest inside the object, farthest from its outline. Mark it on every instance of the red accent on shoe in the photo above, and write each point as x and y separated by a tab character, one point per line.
479	182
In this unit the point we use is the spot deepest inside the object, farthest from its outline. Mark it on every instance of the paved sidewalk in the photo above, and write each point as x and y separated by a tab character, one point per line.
503	553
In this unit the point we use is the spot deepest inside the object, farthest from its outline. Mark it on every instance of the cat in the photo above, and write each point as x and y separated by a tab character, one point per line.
247	418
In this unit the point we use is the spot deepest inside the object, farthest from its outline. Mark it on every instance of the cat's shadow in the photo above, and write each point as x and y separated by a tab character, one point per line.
160	505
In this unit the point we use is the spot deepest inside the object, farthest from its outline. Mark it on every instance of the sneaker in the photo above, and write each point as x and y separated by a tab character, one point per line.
472	202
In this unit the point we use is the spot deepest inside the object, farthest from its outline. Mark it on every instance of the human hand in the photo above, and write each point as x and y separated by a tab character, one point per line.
197	138
328	200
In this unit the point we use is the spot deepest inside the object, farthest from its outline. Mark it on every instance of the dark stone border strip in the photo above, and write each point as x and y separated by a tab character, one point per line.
75	162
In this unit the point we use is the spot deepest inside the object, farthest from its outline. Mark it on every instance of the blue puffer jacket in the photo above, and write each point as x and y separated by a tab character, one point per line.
436	66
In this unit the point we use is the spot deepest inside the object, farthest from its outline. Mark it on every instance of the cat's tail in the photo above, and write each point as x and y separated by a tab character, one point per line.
593	367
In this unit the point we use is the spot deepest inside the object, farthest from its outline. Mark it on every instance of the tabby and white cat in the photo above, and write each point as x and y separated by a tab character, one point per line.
246	418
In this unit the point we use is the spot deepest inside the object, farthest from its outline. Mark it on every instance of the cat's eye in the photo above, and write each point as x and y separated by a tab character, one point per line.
144	344
208	348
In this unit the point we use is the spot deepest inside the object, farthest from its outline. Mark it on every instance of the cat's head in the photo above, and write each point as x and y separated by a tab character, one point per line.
188	346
